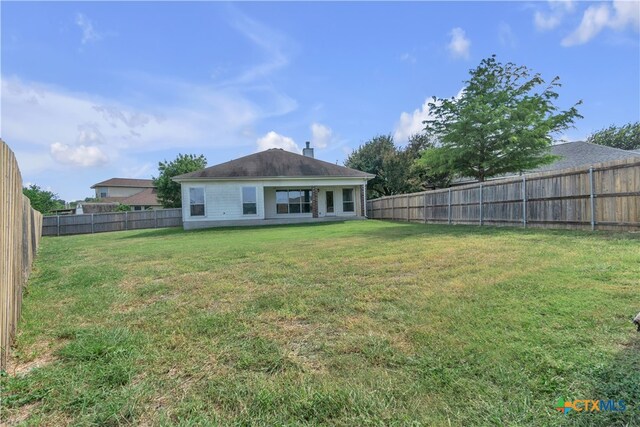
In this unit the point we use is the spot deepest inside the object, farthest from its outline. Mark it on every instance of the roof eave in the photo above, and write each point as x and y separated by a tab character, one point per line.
259	178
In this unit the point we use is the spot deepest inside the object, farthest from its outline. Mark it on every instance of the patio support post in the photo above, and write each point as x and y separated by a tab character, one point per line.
314	202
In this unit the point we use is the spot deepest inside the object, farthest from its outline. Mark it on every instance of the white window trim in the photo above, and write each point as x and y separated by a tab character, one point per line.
242	187
204	193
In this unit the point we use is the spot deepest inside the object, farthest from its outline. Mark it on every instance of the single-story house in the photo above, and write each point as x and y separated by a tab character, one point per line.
272	187
140	194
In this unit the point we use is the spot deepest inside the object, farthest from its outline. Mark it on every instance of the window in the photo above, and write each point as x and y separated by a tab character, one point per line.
347	200
293	201
102	193
249	206
196	201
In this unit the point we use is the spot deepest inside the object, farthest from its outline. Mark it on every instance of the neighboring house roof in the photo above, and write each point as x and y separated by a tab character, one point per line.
580	153
572	155
125	182
147	197
274	163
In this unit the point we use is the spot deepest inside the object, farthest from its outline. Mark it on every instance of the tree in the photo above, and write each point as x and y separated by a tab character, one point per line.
123	208
502	122
395	168
625	137
370	157
168	190
42	200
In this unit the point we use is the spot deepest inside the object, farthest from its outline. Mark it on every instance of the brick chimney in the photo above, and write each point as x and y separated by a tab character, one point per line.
307	152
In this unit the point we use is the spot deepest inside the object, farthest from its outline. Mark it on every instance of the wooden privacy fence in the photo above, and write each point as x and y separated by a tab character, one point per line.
604	196
61	225
20	231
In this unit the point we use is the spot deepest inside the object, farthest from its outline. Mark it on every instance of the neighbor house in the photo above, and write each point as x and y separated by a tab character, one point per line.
573	154
272	187
140	194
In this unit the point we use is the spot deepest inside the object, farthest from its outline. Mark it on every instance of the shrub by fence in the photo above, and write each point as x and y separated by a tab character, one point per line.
20	231
605	196
61	225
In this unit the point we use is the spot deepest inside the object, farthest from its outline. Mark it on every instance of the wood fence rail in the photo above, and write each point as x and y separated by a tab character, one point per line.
61	225
603	196
20	231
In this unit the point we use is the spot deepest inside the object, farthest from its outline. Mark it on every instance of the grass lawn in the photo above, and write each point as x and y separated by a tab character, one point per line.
356	323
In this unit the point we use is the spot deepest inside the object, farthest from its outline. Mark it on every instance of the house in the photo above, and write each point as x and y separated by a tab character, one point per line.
272	187
140	194
580	153
571	155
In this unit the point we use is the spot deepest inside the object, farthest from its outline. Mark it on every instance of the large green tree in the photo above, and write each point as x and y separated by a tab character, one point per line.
169	191
625	137
395	167
502	122
42	200
370	157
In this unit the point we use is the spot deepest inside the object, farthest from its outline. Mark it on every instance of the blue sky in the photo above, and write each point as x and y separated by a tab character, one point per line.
92	90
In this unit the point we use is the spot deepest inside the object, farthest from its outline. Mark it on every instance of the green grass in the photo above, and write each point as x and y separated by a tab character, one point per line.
356	323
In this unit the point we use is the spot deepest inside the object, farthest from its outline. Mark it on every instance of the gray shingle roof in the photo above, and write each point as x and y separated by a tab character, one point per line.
125	182
274	163
581	153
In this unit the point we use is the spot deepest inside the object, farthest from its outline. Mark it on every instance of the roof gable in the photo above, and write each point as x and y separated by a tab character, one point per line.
274	163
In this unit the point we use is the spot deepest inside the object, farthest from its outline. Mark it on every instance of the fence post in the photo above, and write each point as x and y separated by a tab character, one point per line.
424	212
393	207
449	208
408	214
92	223
592	199
155	218
126	220
480	204
524	201
58	224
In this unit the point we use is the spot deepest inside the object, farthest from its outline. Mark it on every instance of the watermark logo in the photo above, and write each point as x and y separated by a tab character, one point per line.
590	405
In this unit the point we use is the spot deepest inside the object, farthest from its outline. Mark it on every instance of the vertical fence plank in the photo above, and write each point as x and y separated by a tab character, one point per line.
592	199
524	201
449	207
424	209
480	203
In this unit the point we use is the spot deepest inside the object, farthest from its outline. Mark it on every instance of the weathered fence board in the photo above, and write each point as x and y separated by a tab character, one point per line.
20	231
604	196
62	225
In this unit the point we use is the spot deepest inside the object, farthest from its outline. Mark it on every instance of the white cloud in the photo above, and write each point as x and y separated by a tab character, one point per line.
407	57
411	123
598	17
89	34
506	35
545	21
275	140
459	44
197	116
321	135
79	155
273	45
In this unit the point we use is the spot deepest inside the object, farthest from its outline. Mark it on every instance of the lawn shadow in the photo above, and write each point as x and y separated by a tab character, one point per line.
403	229
154	232
619	379
179	230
